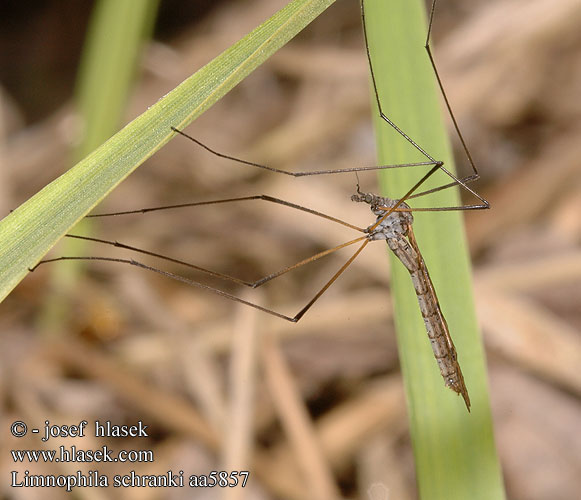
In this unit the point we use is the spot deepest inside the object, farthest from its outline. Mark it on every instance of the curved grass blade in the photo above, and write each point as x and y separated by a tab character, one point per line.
30	231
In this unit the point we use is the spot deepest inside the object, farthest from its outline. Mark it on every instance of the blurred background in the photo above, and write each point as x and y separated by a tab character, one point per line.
225	387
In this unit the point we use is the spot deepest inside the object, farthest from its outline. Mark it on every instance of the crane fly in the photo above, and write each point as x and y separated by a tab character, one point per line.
395	227
393	224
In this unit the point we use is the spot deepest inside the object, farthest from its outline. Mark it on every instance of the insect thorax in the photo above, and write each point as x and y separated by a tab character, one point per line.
395	225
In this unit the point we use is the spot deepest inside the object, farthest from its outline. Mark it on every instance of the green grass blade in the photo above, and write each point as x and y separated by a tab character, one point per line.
32	229
454	451
111	55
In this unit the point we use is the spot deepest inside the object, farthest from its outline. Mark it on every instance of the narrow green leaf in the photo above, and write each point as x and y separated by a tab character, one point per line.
32	229
110	59
112	50
454	450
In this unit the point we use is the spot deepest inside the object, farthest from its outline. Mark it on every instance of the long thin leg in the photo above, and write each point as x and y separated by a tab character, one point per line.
262	197
300	173
439	165
302	312
215	274
251	284
457	181
382	115
475	175
217	291
443	91
411	194
465	180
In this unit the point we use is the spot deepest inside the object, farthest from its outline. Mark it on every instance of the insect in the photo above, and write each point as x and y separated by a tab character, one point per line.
393	224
